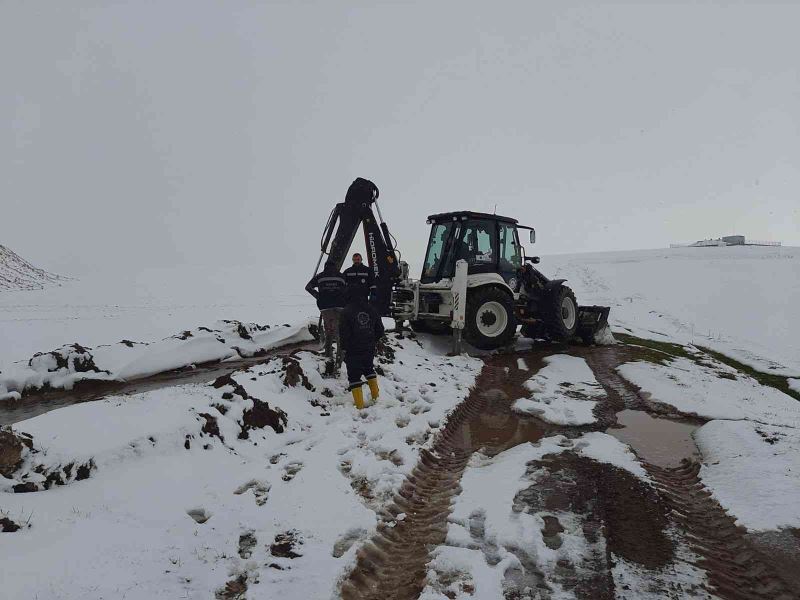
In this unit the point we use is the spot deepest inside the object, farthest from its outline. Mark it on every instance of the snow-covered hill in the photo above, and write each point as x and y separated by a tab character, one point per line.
18	274
739	300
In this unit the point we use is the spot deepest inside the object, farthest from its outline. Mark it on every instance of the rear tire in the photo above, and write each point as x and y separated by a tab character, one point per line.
561	314
490	320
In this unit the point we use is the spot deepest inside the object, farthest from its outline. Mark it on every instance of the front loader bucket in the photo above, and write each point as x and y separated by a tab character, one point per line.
591	319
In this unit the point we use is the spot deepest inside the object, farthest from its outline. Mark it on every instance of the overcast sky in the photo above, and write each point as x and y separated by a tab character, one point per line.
162	133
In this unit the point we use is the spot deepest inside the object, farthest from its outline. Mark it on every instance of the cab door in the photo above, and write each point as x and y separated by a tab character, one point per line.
510	259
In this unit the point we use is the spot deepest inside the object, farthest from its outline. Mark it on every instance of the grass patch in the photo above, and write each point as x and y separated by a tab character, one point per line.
662	352
655	351
779	382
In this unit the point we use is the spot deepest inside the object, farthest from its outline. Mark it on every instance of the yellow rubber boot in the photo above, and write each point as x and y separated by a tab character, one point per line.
358	397
373	387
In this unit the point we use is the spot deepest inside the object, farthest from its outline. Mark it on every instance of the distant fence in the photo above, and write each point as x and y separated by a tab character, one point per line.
715	243
761	243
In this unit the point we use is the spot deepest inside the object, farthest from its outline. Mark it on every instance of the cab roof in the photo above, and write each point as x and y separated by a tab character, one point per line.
467	214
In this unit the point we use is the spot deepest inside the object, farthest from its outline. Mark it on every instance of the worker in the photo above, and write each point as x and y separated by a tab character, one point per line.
360	276
360	328
328	287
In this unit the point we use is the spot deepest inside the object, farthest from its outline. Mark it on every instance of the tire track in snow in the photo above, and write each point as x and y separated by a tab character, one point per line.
393	564
736	571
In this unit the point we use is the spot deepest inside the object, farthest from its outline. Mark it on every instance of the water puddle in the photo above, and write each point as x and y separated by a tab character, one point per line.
497	428
661	442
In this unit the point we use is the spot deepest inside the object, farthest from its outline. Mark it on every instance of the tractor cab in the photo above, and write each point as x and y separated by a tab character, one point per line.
488	243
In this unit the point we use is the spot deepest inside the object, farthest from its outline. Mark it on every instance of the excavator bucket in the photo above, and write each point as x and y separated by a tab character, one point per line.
591	320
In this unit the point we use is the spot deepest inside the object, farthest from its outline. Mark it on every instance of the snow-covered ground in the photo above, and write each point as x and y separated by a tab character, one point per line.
713	392
753	470
128	360
106	307
161	461
174	492
750	447
739	300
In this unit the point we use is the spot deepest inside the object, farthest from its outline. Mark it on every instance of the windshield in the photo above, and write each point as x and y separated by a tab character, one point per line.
433	258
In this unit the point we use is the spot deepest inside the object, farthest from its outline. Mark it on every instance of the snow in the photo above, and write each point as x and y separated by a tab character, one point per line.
127	361
126	531
153	304
750	450
696	389
739	300
562	392
753	470
794	384
608	449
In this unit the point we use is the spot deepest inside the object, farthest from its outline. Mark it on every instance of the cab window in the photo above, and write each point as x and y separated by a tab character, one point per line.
439	234
477	243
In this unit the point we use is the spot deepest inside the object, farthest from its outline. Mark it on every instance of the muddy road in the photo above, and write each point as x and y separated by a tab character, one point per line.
668	530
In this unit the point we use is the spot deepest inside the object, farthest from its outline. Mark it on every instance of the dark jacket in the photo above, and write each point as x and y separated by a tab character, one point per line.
330	289
360	328
360	277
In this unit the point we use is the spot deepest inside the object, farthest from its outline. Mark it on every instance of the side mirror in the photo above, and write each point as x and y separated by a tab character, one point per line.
533	236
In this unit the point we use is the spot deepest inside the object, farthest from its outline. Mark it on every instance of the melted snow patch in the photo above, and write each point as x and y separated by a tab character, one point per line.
562	392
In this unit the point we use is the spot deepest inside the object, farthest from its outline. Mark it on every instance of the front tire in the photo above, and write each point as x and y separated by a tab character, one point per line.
561	314
490	318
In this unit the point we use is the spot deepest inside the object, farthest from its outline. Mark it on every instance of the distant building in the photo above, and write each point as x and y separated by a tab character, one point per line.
733	240
728	240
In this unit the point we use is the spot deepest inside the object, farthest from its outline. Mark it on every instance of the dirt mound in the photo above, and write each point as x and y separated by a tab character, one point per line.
44	478
293	374
8	526
12	449
72	357
258	416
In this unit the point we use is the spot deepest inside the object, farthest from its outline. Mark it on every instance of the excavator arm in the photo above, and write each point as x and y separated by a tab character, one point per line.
341	229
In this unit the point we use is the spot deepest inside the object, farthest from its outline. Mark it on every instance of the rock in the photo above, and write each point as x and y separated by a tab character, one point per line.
25	488
11	450
211	427
8	526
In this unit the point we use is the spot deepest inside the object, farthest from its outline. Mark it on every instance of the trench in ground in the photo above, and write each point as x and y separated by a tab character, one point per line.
38	402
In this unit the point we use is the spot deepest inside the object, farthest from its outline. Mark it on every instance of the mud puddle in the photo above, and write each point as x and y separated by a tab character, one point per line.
660	442
39	402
